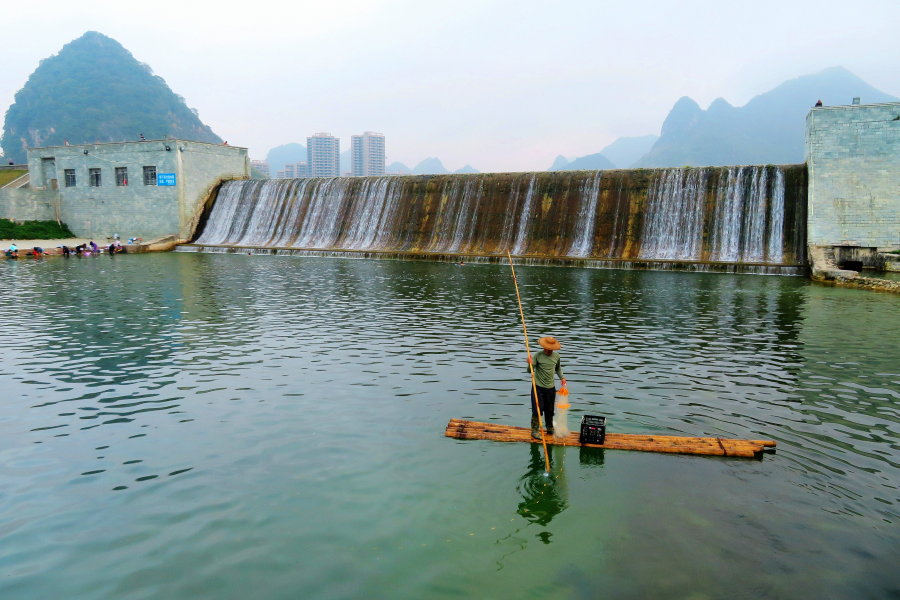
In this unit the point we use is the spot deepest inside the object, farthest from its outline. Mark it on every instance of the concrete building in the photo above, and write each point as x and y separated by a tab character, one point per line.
367	154
262	166
296	170
146	189
323	155
853	158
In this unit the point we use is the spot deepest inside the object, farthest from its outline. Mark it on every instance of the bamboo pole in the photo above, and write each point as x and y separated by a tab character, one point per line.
537	405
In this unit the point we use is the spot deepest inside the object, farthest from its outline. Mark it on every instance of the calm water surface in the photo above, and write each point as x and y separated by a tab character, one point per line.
216	426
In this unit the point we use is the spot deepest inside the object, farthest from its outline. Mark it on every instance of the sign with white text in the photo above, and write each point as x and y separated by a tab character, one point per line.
165	179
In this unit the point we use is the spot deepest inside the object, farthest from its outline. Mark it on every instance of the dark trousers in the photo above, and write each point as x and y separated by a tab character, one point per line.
546	400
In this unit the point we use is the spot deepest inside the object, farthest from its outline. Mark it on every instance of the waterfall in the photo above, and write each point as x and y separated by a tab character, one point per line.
673	223
583	242
525	219
729	212
712	214
509	217
755	216
775	243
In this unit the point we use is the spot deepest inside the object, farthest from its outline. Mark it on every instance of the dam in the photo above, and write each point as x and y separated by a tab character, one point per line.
730	219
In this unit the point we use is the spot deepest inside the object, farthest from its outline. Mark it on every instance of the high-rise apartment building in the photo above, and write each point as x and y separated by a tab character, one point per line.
296	170
367	154
261	166
323	155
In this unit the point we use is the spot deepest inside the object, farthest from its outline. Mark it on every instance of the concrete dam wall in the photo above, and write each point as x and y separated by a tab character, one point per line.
744	216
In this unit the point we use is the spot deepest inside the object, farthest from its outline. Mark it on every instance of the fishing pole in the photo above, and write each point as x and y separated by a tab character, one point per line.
537	406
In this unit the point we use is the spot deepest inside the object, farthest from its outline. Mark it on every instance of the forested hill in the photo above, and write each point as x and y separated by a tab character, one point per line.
95	90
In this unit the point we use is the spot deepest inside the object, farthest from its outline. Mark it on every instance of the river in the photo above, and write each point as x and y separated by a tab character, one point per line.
187	425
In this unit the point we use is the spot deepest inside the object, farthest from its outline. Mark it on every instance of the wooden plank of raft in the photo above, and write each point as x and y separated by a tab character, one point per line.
473	430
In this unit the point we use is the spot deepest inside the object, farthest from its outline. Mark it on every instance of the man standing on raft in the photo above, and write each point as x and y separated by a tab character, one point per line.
545	364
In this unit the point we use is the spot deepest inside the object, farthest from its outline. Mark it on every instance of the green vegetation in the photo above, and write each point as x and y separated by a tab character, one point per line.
95	90
7	176
33	230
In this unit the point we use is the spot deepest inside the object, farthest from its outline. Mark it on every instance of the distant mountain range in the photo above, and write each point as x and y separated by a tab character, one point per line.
621	154
95	90
769	129
429	166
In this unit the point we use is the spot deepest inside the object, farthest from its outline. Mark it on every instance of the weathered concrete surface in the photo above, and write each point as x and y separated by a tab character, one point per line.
28	204
853	156
888	262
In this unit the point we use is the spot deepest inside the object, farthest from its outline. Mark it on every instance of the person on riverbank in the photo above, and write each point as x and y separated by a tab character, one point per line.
546	364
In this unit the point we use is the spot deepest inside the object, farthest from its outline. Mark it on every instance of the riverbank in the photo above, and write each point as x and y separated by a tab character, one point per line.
53	247
824	269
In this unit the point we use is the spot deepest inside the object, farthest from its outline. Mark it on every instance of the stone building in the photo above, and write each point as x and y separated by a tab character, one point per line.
853	158
146	189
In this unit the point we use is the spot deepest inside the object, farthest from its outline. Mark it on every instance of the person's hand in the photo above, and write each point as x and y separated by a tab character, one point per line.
563	382
529	360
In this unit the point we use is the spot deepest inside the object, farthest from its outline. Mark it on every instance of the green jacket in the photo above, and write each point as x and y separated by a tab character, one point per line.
544	366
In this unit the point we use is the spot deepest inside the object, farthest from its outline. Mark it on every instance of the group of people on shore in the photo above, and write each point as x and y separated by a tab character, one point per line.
13	252
115	247
86	249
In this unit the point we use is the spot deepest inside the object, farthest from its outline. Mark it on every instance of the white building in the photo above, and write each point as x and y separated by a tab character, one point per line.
323	155
298	170
262	166
367	154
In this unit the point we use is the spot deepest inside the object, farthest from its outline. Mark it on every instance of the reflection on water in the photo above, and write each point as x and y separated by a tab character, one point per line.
543	495
219	426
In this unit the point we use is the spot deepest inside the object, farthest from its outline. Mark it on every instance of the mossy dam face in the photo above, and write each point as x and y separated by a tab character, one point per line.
730	219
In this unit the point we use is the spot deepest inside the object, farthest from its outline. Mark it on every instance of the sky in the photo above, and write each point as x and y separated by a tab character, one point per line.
501	85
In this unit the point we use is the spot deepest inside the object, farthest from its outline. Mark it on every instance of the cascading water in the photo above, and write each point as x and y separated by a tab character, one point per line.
716	214
525	219
673	222
583	241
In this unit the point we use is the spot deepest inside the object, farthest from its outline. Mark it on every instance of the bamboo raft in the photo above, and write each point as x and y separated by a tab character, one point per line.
710	446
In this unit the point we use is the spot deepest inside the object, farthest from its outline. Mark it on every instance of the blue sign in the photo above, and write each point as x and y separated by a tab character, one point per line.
165	179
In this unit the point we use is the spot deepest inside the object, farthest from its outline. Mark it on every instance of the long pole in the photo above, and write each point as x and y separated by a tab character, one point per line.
537	405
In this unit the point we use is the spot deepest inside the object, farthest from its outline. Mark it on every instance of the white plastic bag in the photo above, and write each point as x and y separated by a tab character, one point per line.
560	414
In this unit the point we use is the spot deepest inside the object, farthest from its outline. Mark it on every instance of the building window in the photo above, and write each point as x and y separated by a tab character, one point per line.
94	177
70	177
149	175
121	175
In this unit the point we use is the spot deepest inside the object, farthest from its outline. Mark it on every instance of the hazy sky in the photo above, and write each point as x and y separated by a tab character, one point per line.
503	85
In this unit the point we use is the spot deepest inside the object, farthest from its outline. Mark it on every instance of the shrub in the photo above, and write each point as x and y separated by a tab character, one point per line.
34	230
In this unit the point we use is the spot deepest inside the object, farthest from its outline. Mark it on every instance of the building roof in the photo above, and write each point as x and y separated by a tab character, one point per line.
136	142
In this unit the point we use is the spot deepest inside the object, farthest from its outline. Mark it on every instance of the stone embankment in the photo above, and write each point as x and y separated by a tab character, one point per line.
824	268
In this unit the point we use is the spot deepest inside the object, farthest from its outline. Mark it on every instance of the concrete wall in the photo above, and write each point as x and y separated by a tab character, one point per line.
135	210
26	204
205	166
853	156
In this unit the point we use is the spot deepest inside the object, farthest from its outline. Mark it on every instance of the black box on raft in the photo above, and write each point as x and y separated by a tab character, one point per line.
593	429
